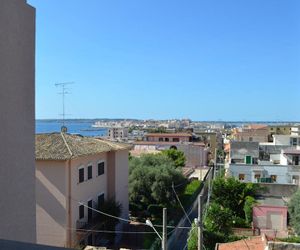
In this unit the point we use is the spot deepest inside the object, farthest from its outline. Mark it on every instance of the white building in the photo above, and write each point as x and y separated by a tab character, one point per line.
118	133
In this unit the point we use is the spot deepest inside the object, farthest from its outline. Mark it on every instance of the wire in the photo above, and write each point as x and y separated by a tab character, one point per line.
181	205
122	219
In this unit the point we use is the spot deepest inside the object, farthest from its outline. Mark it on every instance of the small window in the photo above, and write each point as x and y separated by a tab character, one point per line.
90	172
274	178
100	200
166	139
160	139
81	175
175	139
81	211
257	176
250	139
241	177
100	168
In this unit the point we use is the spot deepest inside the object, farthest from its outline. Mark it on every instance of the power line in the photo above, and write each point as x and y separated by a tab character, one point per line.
122	219
181	205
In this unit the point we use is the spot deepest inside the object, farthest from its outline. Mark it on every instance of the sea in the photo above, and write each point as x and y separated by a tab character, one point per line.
82	127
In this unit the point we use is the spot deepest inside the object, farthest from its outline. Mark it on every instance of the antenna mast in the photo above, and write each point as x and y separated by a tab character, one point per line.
63	93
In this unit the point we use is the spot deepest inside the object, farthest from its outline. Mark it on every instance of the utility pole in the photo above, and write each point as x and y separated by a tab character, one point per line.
164	236
200	231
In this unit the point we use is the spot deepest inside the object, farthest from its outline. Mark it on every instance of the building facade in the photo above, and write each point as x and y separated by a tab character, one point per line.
17	80
117	133
168	137
249	133
74	174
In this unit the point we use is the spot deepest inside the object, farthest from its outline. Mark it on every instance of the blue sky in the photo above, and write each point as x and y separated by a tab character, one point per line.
161	59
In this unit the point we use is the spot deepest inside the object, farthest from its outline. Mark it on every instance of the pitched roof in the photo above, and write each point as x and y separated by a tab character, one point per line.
255	243
63	146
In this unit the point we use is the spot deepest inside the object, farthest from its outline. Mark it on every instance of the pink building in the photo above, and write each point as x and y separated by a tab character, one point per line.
271	220
73	174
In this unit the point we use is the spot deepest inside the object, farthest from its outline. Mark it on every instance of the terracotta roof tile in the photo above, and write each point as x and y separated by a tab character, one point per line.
254	243
62	146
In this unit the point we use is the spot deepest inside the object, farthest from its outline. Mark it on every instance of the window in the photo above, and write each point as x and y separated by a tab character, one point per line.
166	139
100	168
294	141
160	139
81	175
257	176
248	159
81	211
90	172
274	178
175	139
250	139
295	160
241	177
100	200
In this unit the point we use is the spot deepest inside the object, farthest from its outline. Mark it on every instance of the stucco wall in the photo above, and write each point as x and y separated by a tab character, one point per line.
87	190
122	181
51	202
279	190
17	77
270	219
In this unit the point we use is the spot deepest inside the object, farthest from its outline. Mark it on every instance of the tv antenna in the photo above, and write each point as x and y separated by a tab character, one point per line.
64	92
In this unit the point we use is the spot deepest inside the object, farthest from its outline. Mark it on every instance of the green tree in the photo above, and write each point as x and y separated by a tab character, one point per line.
231	193
218	219
176	156
294	211
150	180
193	238
250	202
112	207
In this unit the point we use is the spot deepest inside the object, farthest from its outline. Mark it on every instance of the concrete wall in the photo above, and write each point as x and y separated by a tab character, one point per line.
51	202
17	78
279	190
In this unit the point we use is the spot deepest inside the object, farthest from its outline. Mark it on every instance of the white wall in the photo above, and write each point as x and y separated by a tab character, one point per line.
284	173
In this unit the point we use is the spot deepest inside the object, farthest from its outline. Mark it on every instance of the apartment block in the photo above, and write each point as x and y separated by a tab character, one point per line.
73	175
